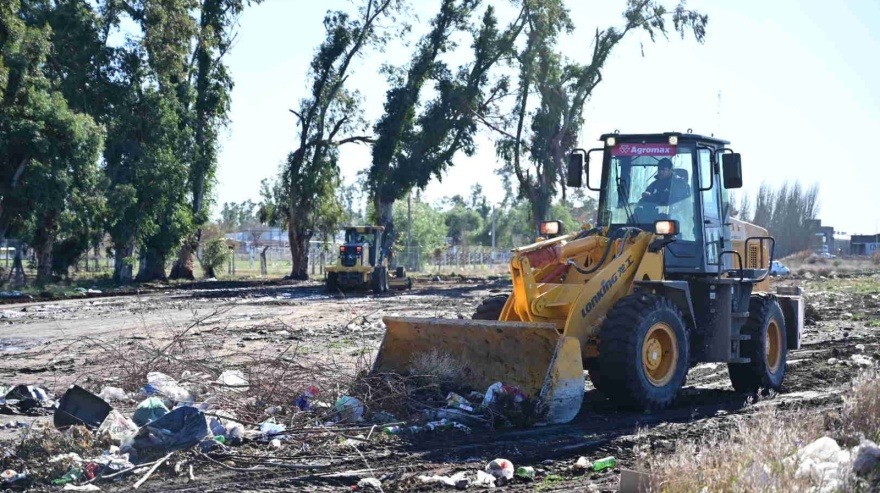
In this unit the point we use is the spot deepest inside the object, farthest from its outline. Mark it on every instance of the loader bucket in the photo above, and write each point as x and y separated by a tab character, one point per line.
515	353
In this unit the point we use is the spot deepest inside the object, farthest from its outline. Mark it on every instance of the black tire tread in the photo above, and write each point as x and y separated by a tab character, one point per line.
749	377
617	372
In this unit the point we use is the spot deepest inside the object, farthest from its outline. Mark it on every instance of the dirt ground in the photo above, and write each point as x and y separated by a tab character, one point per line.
55	344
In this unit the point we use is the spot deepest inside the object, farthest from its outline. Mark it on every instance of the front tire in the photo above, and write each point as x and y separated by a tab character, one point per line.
643	352
767	348
490	308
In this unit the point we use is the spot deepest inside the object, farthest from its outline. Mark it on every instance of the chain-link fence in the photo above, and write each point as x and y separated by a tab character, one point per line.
250	262
464	258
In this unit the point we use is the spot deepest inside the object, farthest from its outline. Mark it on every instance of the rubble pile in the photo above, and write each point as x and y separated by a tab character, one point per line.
166	417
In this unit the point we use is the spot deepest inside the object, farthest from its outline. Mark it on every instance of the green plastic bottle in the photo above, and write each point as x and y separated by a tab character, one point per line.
606	463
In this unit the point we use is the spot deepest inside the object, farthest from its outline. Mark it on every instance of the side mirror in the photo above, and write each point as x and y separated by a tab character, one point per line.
574	176
731	167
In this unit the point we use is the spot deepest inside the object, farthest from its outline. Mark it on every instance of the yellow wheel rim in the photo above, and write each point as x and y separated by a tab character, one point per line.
773	347
660	354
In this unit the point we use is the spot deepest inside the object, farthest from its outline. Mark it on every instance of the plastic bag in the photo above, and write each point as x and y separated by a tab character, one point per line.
180	429
149	409
169	388
118	427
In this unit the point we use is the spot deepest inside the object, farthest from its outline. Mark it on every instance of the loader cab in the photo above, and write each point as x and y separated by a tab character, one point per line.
361	245
647	178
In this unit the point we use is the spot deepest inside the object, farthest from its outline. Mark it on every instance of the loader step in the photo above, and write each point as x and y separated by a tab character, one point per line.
742	337
740	314
740	360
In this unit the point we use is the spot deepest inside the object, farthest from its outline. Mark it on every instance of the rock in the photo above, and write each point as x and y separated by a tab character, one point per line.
866	458
832	361
862	361
583	463
846	316
860	348
370	483
823	461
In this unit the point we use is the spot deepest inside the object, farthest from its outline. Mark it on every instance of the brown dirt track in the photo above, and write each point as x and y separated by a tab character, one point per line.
57	343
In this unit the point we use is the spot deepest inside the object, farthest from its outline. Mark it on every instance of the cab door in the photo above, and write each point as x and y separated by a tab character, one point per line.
710	199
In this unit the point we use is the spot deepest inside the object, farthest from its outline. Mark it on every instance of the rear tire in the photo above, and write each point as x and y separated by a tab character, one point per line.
490	308
377	280
767	348
643	352
332	282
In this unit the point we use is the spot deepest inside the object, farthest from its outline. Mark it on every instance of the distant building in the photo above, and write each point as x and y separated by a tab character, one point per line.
864	244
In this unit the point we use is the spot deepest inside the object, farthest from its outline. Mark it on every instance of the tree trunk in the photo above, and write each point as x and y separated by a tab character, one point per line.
17	275
123	262
385	214
209	272
43	250
264	267
540	209
152	267
184	265
299	253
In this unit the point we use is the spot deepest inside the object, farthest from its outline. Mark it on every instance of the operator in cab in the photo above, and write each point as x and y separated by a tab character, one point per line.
658	191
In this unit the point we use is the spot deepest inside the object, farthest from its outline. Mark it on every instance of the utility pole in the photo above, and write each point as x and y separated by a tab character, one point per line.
493	226
409	261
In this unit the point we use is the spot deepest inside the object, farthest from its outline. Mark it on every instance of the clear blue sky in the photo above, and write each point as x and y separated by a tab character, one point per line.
799	84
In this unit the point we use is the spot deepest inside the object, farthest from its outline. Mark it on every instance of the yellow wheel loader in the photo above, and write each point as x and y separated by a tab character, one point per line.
667	279
363	264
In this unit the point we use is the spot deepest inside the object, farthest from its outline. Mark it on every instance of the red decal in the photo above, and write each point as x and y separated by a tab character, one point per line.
643	150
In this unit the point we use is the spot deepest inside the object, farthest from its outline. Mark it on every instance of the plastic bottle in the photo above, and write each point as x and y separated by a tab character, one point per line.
606	463
525	472
391	430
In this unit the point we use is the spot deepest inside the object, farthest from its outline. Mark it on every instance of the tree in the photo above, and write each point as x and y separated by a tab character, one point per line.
48	152
326	119
789	213
168	32
427	228
462	222
214	256
544	131
235	216
212	84
410	150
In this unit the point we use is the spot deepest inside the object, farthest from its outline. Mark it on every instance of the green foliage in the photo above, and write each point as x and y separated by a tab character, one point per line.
235	216
428	228
390	179
462	222
48	151
789	213
410	148
215	254
542	132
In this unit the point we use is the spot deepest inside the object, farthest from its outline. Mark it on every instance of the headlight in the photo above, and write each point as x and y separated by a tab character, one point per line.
610	141
550	228
673	140
666	228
